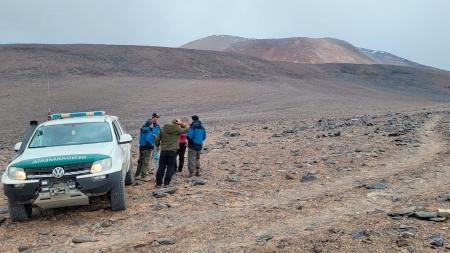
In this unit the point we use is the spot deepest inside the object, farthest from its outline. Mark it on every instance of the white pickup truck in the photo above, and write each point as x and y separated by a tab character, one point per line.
66	160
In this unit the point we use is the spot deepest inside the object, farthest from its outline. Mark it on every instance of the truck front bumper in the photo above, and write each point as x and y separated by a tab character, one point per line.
91	185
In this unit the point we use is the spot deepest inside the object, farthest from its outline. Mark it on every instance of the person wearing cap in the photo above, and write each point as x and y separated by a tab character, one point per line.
167	140
196	135
148	133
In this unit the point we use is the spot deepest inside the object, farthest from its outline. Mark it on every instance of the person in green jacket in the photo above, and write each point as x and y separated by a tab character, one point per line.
167	140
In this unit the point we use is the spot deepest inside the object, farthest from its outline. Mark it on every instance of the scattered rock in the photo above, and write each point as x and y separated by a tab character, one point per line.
377	185
308	178
160	206
97	227
438	219
106	223
166	240
425	215
289	131
43	231
406	234
233	179
444	212
288	176
24	248
251	144
360	233
436	240
262	239
296	152
198	181
163	192
83	239
335	134
231	134
408	211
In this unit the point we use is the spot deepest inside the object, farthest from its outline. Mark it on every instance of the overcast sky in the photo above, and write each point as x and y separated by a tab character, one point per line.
415	29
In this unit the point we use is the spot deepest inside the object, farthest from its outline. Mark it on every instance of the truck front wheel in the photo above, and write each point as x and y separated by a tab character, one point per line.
19	212
117	195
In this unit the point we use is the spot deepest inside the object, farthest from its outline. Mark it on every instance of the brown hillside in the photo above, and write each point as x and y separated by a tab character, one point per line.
301	50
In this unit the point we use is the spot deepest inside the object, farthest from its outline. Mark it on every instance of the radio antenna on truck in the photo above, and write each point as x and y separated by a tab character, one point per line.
49	115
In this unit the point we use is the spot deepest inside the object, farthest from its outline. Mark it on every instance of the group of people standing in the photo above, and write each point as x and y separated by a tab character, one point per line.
171	140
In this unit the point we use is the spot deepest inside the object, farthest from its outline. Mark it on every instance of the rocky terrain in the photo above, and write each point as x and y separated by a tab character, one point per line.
367	183
300	158
299	50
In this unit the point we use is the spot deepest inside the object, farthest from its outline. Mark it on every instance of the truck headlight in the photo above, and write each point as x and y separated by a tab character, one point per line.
101	165
16	173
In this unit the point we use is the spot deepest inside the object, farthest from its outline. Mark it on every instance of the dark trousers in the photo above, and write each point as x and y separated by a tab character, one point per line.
180	152
166	168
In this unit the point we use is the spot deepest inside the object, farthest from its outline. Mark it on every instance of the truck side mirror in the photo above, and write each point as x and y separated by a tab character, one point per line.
17	146
125	138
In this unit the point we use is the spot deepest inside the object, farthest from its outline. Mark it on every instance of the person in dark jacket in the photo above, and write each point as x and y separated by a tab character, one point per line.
196	136
168	141
147	136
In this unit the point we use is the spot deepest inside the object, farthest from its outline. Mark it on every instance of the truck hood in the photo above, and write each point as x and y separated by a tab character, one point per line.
62	155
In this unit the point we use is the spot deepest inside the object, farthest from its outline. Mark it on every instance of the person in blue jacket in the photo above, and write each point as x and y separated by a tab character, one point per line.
196	135
147	136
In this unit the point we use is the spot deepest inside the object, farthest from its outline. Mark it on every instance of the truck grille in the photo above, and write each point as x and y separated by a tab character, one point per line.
70	171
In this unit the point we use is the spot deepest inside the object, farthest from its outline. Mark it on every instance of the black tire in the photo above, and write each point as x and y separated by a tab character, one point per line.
19	212
129	177
118	196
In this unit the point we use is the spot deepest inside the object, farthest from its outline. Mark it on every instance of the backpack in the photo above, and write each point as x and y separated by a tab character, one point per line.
196	135
146	138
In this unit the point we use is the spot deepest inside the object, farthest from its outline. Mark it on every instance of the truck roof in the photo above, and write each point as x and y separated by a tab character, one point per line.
83	119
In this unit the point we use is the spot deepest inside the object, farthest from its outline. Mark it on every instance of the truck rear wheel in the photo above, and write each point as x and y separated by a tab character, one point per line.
19	212
117	195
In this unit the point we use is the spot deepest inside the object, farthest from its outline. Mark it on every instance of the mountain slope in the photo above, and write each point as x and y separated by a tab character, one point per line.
381	57
299	50
214	42
20	62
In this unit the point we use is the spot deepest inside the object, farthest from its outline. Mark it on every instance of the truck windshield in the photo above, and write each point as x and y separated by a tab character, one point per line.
71	134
